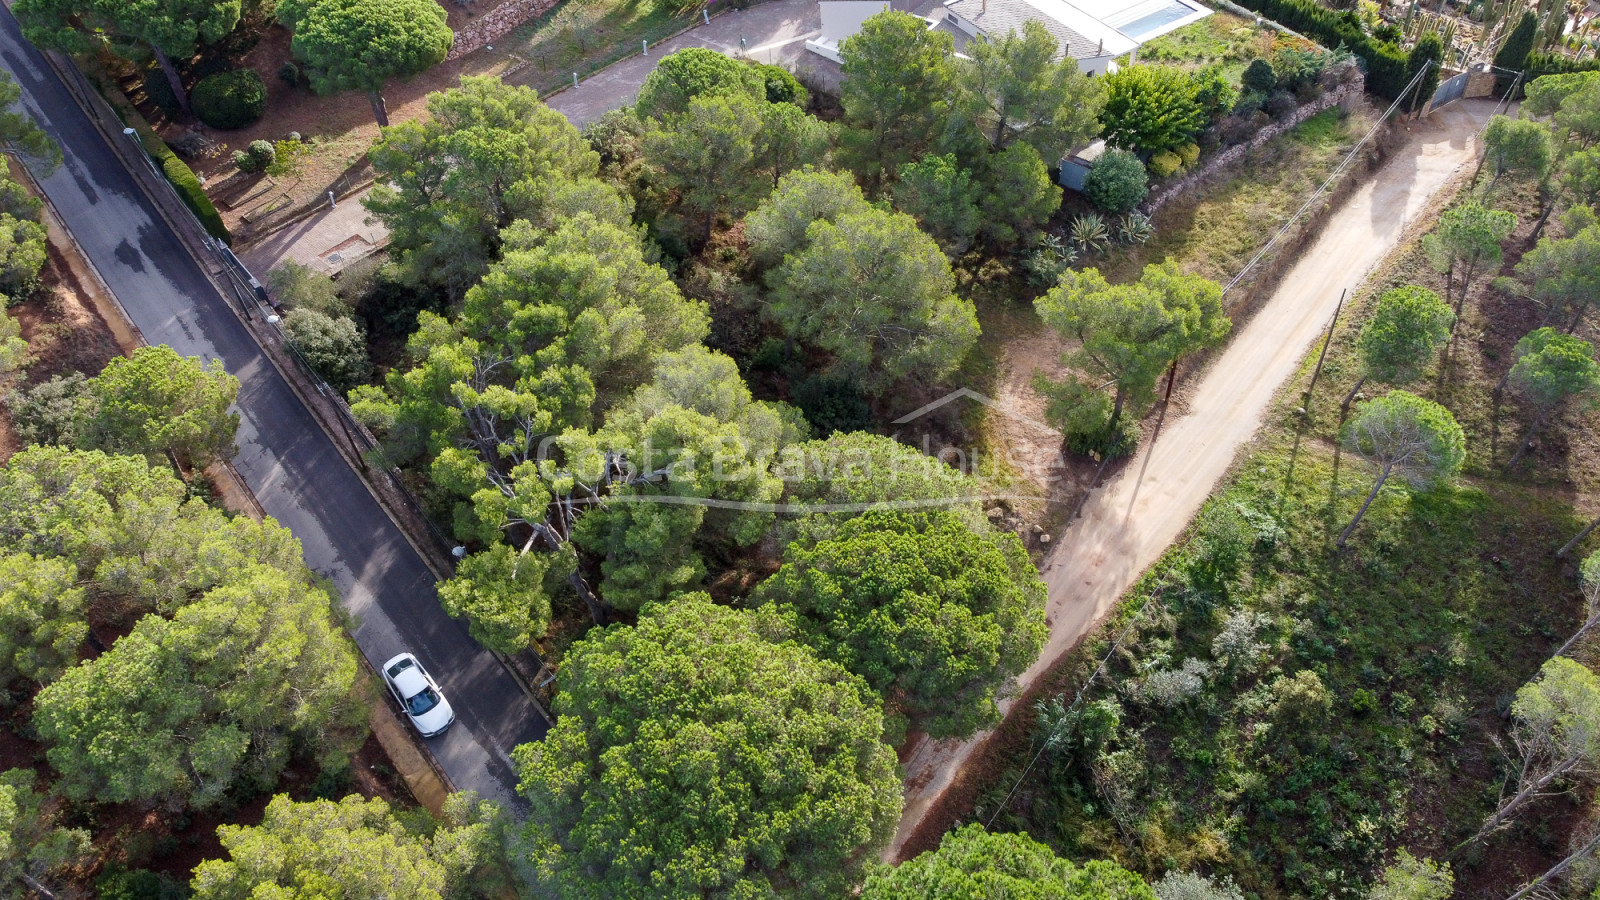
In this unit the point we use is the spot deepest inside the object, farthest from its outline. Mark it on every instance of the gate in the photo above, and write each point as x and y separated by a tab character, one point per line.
1450	90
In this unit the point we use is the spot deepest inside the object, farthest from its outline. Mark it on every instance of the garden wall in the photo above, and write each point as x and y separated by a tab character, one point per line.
1351	88
498	23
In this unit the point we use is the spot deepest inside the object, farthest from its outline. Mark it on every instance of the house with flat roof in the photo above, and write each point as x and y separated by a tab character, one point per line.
1093	32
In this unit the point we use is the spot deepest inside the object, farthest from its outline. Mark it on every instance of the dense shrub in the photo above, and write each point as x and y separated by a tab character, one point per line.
289	73
1189	153
1259	78
1116	182
47	413
256	158
1280	105
1151	108
782	86
1165	164
229	100
333	346
302	287
187	185
1387	74
1541	64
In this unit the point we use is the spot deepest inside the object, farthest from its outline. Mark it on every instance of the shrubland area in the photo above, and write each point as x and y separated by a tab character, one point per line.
642	374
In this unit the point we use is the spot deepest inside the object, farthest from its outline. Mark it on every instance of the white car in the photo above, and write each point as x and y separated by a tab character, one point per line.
419	695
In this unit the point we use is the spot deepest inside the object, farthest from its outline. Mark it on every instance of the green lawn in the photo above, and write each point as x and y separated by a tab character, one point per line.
1232	41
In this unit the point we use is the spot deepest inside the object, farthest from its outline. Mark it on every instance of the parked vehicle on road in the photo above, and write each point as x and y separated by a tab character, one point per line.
418	694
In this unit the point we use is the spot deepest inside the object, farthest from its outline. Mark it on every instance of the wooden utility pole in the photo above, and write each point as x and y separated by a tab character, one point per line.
1324	354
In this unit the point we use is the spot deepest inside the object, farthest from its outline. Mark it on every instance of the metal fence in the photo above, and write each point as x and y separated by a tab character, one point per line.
1450	90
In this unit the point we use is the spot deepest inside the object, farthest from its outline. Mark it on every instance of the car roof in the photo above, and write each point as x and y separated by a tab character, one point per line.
410	682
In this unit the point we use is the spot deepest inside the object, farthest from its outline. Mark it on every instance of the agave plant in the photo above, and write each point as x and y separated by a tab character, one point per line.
1135	228
1046	262
1089	233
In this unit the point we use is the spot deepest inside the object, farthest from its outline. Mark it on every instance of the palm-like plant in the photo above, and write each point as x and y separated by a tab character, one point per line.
1089	233
1136	228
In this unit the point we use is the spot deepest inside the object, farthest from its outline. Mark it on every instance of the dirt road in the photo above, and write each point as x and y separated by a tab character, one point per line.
1128	523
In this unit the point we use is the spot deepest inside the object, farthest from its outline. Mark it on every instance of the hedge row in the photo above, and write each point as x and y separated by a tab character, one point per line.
1539	64
188	185
1387	70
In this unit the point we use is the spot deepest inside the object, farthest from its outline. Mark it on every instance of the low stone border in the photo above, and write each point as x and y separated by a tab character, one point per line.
1354	87
496	25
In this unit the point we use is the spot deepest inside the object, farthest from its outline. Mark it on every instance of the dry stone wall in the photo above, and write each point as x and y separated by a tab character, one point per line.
496	24
1351	88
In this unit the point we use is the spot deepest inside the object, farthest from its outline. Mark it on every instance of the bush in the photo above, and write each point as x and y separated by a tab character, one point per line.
1189	153
301	287
1164	164
117	883
289	73
1117	182
47	413
256	158
1151	108
1259	78
230	100
334	347
782	86
1387	72
1281	105
193	195
158	90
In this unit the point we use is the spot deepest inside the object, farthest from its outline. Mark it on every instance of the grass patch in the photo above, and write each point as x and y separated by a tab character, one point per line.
1340	704
1215	229
1220	38
584	36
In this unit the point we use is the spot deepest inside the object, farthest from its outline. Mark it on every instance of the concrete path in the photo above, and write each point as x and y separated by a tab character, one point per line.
774	32
1127	524
289	463
326	242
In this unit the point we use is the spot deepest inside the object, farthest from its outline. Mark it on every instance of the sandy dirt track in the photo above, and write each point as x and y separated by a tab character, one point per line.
1127	524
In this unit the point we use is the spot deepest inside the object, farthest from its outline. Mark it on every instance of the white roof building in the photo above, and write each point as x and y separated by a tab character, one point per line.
1094	32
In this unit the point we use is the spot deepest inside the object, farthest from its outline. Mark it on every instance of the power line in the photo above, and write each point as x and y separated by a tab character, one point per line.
1328	182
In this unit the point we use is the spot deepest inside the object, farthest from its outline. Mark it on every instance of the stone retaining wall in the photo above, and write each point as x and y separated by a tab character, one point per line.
496	25
1352	88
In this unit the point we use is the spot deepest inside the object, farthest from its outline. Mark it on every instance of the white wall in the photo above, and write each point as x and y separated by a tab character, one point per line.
843	18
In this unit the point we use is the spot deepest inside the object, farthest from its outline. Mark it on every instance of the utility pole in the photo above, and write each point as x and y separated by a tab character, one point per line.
1324	354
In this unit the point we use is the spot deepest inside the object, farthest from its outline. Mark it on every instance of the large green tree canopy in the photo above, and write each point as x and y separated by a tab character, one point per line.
487	154
701	754
359	44
354	849
898	91
933	614
171	28
157	400
696	72
877	294
971	863
251	660
186	708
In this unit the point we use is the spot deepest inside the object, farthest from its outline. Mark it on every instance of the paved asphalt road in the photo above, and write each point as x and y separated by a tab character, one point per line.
291	465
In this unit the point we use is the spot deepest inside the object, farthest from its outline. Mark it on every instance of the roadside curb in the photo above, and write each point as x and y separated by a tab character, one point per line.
199	248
